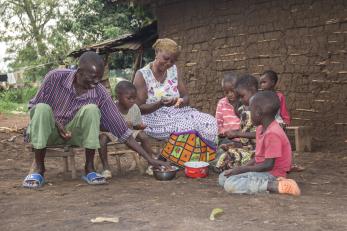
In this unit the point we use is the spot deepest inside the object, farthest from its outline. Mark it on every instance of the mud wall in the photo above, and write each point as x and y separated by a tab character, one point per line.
304	41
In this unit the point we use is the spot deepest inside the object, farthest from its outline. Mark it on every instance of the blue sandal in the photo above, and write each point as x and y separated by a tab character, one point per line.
33	181
94	178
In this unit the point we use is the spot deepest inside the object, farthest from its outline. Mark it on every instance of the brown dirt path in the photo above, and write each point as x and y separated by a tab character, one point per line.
142	203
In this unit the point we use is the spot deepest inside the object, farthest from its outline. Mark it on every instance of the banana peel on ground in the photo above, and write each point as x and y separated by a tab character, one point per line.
215	213
105	219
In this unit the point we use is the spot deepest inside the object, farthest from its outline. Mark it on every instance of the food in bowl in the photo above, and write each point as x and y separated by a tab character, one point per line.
165	173
196	169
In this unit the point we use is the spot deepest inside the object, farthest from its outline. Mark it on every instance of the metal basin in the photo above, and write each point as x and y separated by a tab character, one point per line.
165	175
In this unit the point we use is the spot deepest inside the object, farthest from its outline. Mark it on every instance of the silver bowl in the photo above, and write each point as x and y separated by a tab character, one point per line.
165	175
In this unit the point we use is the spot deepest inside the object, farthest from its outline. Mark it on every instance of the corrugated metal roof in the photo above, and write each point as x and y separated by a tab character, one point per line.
145	37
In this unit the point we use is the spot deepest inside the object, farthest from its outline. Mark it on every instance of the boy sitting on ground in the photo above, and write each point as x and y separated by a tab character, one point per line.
126	95
267	171
268	81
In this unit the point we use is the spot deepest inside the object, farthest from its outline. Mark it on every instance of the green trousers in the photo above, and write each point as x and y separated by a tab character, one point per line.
84	127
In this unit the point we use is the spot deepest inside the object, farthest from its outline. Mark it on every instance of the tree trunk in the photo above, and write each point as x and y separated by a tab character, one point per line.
41	47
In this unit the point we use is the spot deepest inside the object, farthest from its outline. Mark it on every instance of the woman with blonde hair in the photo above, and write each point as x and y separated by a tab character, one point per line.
163	97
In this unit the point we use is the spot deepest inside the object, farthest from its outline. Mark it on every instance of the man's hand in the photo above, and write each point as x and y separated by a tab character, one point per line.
140	127
157	163
66	135
233	171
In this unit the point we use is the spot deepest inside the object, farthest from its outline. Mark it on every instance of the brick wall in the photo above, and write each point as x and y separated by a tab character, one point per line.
304	41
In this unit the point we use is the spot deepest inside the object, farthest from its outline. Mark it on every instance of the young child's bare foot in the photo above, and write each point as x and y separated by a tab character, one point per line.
296	168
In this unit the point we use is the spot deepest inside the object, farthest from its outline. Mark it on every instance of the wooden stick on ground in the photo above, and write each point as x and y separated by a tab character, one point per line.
15	129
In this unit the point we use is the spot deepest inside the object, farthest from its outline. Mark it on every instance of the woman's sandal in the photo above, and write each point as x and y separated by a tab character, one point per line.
94	178
33	181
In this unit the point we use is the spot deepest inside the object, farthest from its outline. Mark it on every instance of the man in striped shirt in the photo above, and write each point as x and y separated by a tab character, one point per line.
69	108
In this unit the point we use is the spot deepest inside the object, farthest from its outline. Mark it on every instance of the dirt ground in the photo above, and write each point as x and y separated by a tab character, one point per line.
142	203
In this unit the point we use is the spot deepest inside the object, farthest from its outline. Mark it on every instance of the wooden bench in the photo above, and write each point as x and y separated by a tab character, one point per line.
119	149
302	136
68	153
63	151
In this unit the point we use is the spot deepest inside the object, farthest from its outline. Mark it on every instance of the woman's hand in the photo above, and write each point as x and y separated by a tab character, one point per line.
168	102
179	102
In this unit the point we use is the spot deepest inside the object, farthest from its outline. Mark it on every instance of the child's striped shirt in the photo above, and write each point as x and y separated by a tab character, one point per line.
226	117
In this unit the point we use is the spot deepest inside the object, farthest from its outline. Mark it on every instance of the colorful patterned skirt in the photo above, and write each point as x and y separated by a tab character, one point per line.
188	146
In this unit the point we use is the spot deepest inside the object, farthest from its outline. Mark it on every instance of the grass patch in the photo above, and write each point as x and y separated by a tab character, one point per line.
16	100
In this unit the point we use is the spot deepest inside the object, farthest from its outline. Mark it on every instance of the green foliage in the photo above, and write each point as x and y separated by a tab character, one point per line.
29	29
40	33
121	60
98	20
27	20
27	57
9	107
19	95
16	99
93	21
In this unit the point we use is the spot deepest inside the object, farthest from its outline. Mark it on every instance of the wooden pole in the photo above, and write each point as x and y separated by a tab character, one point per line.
137	62
105	78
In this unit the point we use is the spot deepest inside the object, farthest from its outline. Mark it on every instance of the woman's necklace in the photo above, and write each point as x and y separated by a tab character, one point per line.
159	77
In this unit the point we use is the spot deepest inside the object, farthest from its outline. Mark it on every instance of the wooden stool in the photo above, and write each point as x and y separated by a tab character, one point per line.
157	145
64	151
118	149
302	138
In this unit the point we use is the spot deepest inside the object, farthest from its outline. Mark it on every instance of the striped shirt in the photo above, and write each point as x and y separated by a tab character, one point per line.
226	117
58	92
